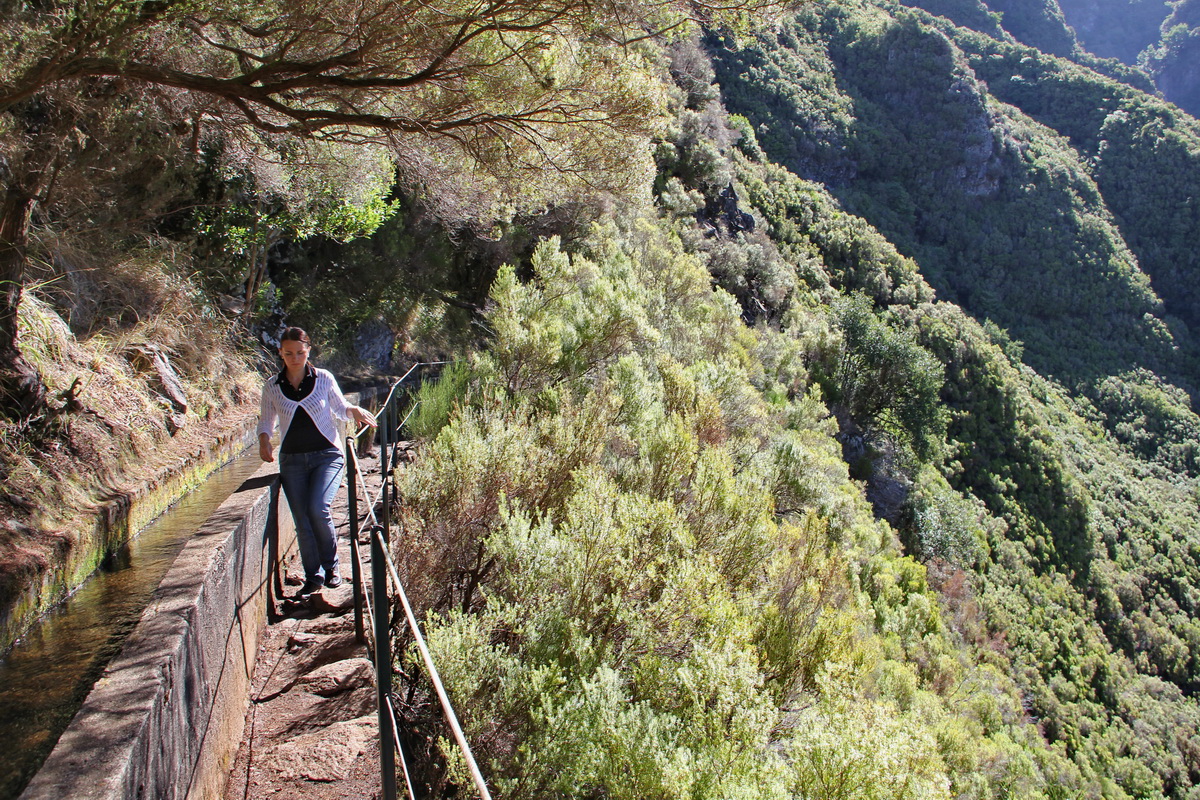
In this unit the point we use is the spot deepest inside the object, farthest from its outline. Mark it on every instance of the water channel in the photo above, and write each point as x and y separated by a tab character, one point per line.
49	672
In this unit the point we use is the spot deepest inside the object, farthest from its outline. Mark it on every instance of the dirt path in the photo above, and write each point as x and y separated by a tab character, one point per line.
311	730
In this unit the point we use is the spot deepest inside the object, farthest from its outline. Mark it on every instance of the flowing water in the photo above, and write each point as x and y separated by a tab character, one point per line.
49	672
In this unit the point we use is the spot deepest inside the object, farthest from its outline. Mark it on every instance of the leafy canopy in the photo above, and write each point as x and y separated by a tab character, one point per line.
506	91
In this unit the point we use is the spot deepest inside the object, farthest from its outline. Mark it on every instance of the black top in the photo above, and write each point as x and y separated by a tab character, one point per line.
306	384
303	435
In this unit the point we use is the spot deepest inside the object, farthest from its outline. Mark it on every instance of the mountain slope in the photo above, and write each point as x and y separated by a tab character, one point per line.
1003	215
1091	561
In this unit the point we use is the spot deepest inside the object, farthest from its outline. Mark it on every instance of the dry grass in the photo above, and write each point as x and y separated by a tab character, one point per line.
111	424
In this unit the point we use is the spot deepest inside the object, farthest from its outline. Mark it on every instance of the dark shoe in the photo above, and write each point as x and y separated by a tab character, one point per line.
311	585
334	581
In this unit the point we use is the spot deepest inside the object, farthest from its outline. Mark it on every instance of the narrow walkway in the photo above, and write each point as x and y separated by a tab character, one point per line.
311	730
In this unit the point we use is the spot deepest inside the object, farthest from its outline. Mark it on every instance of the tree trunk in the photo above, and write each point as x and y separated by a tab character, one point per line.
22	393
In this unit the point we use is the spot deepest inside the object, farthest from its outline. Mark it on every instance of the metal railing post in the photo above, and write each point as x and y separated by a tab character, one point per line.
383	665
395	435
434	677
384	474
352	509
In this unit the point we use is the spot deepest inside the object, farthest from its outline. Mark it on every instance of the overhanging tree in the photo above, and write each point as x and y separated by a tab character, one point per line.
505	92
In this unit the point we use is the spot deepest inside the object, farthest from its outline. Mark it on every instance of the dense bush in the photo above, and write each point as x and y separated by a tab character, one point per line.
639	524
647	573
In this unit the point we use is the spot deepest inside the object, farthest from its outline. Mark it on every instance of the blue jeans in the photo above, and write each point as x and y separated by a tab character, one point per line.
310	480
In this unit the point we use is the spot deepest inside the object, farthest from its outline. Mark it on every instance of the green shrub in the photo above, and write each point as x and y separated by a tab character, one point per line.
434	402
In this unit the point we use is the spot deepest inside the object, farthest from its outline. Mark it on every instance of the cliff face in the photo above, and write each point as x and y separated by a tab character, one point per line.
1176	65
1180	79
1119	29
1037	23
964	184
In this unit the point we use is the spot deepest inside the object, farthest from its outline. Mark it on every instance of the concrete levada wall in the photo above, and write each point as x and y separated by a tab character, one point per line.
165	720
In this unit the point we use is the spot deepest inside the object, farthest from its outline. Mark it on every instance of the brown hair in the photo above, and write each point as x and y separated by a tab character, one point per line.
295	335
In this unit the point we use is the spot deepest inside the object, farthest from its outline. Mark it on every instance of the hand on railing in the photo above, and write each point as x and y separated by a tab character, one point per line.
362	417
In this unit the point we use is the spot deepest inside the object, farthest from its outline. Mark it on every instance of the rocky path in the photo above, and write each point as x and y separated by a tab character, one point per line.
311	730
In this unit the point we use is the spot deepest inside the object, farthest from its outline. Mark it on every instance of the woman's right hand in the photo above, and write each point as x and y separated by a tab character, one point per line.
265	451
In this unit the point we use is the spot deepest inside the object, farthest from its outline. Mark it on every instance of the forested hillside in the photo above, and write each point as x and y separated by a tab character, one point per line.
1162	38
830	434
1022	186
1146	43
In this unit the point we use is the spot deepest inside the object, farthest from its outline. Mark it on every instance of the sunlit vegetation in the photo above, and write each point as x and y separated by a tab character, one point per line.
1070	502
647	572
849	450
880	498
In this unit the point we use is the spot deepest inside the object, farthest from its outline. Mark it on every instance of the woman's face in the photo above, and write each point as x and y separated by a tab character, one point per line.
294	355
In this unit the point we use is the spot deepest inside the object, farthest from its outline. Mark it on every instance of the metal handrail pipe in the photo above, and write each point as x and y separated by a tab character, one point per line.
434	677
352	478
372	604
362	483
384	501
400	749
369	613
408	416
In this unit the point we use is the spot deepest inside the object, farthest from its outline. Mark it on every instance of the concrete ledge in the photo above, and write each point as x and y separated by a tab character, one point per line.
166	718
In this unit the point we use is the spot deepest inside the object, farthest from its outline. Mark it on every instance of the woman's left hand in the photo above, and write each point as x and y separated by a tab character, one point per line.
363	417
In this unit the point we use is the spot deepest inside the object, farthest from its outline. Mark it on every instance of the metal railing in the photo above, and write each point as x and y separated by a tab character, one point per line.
374	605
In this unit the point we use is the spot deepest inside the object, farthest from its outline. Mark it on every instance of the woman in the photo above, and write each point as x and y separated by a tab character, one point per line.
305	401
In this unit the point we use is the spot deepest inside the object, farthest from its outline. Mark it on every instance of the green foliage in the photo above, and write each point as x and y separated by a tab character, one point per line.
973	203
240	226
1153	418
639	527
1027	510
884	377
434	402
747	140
545	332
1059	529
642	561
1038	23
847	748
344	96
945	525
973	14
637	545
826	245
418	276
1146	156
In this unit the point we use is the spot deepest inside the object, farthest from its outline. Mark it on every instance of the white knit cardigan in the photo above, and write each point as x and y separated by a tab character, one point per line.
323	404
